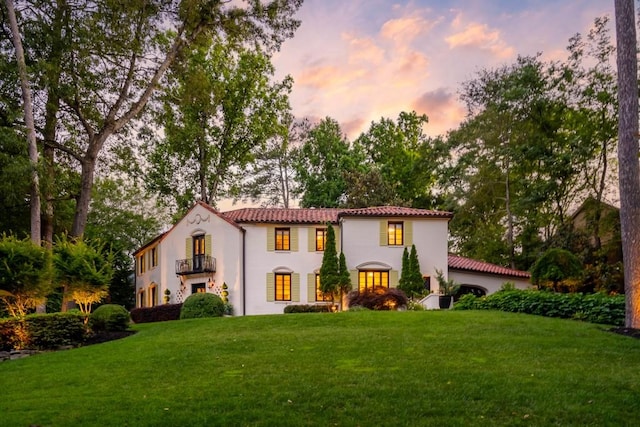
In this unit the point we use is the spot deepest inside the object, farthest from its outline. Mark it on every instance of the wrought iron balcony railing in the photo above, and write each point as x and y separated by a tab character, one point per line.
197	264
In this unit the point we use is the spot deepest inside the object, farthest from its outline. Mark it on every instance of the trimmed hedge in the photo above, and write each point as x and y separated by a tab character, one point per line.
110	318
202	305
42	331
380	298
594	308
159	313
309	308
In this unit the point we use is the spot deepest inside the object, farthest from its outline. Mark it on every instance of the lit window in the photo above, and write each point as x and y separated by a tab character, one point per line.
394	233
283	287
321	239
369	279
321	296
283	239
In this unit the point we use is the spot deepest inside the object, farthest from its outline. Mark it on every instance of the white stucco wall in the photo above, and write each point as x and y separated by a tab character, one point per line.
226	248
489	282
361	244
260	262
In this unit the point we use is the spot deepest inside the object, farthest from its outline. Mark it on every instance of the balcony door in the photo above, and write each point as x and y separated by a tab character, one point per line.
198	252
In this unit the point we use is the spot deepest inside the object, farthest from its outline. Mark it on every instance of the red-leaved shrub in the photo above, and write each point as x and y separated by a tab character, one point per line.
379	298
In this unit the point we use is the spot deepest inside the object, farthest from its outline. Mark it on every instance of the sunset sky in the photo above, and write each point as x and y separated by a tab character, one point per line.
359	60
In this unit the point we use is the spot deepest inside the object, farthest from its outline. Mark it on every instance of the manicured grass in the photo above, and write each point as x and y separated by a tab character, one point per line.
437	368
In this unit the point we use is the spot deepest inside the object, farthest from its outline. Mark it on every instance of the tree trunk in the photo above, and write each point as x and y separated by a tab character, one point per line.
628	166
82	203
29	122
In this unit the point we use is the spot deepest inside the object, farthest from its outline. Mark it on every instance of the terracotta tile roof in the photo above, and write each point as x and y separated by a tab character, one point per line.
323	215
396	211
282	215
461	263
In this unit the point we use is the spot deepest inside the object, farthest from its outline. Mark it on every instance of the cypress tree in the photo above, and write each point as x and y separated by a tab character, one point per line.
415	284
404	273
329	270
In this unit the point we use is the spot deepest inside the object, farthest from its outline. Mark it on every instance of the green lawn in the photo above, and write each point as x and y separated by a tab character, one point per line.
438	368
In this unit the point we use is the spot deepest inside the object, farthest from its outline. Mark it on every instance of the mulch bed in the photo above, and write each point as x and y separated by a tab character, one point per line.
630	332
100	337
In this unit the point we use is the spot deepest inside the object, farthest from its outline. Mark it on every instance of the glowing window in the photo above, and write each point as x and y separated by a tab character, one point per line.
321	296
283	287
283	239
368	279
321	239
394	233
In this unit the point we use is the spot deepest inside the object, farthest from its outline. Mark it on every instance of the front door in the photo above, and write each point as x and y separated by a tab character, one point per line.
198	252
197	288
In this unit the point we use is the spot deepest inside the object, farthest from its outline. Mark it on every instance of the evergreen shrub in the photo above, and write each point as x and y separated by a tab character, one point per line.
202	305
308	308
42	331
109	318
159	313
595	308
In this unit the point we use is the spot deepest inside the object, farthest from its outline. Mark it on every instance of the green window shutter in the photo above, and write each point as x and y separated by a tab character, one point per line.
208	245
354	278
294	238
271	239
311	287
295	287
393	278
189	248
408	233
384	236
312	239
271	287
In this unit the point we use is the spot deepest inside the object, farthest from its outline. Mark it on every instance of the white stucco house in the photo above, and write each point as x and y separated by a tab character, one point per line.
267	258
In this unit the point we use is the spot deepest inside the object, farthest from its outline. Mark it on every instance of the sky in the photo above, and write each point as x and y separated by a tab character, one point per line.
360	60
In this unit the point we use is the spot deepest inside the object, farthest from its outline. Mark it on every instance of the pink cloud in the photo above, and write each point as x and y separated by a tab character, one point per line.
363	49
406	29
443	108
480	37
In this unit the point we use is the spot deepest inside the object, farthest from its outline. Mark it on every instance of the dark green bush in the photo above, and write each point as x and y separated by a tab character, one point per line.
159	313
379	298
110	318
202	305
42	331
595	308
309	308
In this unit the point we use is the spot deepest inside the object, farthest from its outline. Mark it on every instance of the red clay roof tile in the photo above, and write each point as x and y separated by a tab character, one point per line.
461	263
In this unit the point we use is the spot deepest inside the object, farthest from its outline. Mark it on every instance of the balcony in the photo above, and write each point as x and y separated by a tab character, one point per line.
197	264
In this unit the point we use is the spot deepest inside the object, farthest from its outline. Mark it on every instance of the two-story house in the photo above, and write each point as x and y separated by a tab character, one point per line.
265	258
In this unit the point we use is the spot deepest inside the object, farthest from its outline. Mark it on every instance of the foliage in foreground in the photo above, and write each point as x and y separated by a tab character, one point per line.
109	317
202	305
379	298
430	368
159	313
594	308
42	331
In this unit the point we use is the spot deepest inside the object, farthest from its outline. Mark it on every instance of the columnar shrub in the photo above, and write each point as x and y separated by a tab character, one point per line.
109	317
159	313
202	305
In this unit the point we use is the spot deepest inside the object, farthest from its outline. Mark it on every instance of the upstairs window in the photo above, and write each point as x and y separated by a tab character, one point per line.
141	264
283	239
321	239
395	234
154	257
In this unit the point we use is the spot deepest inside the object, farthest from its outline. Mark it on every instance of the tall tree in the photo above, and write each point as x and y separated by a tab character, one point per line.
330	268
271	177
118	53
27	100
220	108
320	164
404	156
628	166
